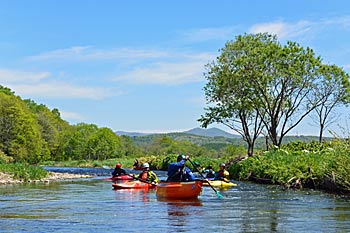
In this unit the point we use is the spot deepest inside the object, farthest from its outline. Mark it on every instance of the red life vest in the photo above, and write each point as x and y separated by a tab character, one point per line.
221	173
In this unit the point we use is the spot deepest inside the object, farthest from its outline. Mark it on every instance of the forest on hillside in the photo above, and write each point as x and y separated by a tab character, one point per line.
33	133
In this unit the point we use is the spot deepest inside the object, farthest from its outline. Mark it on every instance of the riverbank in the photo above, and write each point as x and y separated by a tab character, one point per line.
323	166
6	178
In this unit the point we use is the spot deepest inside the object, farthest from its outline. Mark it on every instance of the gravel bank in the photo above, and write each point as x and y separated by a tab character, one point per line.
6	178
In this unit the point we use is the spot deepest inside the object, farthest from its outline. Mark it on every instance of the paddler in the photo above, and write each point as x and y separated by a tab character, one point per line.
223	174
177	171
118	171
148	175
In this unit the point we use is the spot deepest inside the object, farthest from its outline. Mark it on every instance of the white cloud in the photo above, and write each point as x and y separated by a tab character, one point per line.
13	76
165	73
30	84
301	28
283	30
61	90
72	116
180	68
89	53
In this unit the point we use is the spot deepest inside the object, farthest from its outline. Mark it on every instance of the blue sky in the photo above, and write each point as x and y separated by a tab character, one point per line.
138	65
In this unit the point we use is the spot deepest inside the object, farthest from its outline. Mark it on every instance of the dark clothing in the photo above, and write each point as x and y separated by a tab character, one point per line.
178	172
118	172
210	174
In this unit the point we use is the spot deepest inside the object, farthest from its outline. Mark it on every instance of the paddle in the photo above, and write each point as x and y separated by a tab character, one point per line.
216	192
145	181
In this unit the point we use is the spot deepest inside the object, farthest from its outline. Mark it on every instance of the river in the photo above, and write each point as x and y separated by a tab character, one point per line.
91	205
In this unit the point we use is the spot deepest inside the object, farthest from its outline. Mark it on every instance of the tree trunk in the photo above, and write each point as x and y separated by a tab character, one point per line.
250	149
321	133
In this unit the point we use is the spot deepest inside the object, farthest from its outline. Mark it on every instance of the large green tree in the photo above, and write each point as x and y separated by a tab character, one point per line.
103	144
51	125
20	135
230	90
333	89
257	81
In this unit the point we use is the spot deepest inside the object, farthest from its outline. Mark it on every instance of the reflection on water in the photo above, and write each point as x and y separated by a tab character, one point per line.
132	194
181	212
91	205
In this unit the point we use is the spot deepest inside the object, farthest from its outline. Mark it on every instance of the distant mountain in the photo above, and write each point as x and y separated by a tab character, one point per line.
212	132
131	134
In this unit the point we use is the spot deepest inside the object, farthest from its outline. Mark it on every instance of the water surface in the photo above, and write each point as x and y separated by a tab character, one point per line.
90	205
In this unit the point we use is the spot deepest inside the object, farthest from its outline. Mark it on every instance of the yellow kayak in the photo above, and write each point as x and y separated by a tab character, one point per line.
219	183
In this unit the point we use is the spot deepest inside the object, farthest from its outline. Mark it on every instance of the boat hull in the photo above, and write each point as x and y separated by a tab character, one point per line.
119	178
134	184
179	190
219	183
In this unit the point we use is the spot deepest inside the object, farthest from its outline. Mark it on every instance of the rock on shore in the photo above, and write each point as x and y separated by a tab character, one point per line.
6	178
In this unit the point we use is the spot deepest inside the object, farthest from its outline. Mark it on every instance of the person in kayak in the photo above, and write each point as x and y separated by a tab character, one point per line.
118	171
136	165
210	172
223	174
177	171
148	175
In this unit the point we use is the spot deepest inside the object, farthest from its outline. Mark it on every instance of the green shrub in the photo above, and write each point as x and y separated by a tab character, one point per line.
24	172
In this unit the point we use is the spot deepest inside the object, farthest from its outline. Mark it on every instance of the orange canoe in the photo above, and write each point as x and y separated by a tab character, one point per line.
133	184
179	190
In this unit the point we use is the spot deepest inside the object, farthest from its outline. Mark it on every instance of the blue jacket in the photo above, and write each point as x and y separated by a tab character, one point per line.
178	172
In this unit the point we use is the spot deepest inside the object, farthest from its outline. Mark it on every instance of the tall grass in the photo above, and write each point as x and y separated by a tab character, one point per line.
326	166
23	172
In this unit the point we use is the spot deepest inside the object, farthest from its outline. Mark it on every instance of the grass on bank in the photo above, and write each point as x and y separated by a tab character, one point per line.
23	172
322	167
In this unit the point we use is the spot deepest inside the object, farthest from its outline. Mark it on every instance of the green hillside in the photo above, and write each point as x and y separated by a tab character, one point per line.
215	143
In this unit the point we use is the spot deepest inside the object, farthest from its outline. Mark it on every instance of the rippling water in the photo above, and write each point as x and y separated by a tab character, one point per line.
90	205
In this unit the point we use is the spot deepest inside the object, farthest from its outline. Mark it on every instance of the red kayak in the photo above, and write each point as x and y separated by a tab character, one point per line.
133	184
119	178
179	190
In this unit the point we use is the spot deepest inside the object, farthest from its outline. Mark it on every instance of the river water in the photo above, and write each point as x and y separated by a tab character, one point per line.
91	205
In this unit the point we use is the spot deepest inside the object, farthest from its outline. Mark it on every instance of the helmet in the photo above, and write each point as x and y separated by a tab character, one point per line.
181	157
118	165
210	167
145	165
222	165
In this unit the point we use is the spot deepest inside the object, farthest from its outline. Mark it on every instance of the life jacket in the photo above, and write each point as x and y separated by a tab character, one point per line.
221	173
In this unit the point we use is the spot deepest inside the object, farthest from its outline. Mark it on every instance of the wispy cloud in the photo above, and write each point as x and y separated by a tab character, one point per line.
178	69
283	30
38	84
72	116
165	74
90	53
61	90
14	76
301	28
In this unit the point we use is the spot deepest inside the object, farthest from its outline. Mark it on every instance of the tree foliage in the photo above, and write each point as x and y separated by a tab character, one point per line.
258	85
333	89
32	133
20	136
